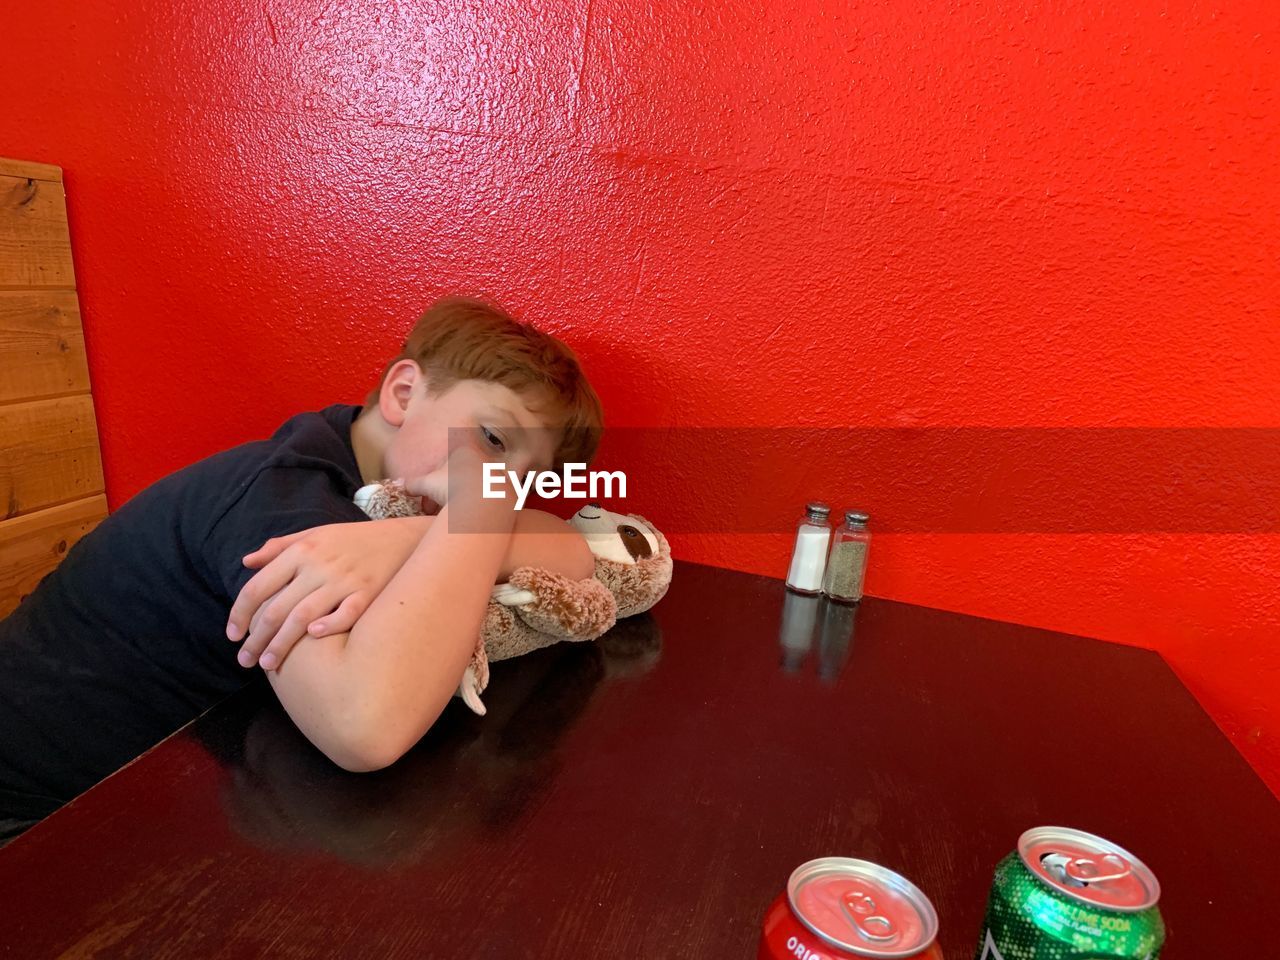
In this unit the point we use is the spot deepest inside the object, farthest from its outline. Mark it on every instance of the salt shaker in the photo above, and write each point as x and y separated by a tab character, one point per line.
809	555
847	565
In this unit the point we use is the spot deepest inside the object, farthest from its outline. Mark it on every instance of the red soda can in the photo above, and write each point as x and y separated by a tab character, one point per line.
837	908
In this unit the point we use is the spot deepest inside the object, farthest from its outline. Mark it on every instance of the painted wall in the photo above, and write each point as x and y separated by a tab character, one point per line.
898	215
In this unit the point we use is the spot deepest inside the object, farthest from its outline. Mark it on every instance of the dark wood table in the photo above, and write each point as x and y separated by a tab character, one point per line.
648	795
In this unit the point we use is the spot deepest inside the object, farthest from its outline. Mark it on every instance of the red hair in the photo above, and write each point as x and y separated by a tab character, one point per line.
465	338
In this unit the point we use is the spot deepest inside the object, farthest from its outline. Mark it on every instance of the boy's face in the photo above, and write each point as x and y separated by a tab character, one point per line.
494	420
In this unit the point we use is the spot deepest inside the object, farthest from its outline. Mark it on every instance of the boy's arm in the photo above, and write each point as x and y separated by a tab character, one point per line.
320	581
366	697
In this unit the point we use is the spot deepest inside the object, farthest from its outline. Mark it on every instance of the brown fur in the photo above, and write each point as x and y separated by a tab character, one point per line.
572	609
576	609
638	587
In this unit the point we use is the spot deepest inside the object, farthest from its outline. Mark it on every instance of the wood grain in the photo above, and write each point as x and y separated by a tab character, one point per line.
51	480
48	454
34	544
41	345
35	247
30	170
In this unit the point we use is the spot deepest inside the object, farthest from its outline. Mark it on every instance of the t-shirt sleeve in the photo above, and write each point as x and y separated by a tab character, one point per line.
277	502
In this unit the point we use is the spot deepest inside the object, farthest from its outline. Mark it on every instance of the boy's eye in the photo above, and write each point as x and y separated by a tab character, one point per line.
493	439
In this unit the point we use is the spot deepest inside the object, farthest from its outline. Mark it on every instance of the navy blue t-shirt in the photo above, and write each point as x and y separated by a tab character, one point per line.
125	641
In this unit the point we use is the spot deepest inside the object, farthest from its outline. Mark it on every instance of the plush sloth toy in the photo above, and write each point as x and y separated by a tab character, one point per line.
536	608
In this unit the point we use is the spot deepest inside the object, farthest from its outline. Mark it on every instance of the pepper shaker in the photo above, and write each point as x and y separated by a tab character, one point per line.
847	565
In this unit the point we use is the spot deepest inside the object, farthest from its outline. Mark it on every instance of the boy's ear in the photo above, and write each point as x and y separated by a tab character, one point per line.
398	386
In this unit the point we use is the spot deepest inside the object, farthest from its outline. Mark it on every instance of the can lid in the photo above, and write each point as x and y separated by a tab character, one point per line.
1089	869
862	907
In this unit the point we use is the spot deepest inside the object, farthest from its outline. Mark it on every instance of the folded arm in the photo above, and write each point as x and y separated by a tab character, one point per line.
365	697
319	581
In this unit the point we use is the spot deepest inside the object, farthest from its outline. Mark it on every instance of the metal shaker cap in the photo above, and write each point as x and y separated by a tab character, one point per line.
818	511
856	518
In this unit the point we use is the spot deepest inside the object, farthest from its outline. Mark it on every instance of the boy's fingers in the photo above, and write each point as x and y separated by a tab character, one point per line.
257	636
257	618
268	620
262	586
293	629
342	619
260	631
272	549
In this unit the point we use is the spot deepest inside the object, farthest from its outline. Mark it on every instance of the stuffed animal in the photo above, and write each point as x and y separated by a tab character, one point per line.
537	608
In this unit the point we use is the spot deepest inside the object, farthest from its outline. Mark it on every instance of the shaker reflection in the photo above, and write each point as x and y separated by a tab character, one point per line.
468	778
839	624
796	631
831	623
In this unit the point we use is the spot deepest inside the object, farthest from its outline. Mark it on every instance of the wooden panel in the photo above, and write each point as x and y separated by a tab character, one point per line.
41	345
50	469
48	454
35	247
36	543
29	170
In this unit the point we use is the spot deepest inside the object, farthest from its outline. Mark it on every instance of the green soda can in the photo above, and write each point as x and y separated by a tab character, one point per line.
1068	895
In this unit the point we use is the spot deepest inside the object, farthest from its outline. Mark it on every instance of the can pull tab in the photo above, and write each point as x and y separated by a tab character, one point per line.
1080	871
860	909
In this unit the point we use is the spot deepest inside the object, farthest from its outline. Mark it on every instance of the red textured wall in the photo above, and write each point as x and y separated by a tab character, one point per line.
802	212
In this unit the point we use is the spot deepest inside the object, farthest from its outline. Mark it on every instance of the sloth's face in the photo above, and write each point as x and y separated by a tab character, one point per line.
614	536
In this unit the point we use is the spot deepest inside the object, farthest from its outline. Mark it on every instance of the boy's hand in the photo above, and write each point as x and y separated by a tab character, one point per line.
318	581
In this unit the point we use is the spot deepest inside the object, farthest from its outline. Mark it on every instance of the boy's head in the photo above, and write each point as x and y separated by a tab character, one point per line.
469	365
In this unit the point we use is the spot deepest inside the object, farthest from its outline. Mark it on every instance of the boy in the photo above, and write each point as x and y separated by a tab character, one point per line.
126	640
